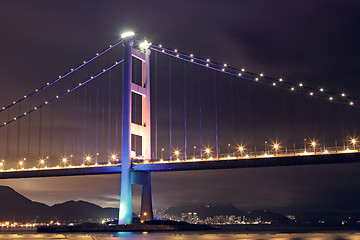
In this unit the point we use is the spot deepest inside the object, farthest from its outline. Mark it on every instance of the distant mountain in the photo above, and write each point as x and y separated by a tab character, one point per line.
16	207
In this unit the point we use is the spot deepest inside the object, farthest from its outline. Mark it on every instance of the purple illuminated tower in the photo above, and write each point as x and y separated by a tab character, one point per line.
128	176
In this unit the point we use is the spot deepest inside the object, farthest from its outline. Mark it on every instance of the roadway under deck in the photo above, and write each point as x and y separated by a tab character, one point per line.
188	165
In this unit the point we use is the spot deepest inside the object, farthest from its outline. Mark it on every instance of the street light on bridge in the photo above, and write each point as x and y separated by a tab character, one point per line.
162	154
21	163
194	152
177	153
313	144
241	150
353	142
41	162
64	161
208	152
276	146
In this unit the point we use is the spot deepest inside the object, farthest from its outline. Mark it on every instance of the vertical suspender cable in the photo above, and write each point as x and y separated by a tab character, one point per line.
40	128
102	122
200	113
232	112
185	143
8	138
73	127
18	137
29	131
216	118
84	133
97	120
109	118
170	133
156	106
51	132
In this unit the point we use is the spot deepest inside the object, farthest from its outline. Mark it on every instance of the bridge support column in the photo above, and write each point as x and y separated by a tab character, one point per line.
144	179
125	209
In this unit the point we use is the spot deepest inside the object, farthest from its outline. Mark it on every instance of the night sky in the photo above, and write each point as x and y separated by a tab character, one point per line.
315	43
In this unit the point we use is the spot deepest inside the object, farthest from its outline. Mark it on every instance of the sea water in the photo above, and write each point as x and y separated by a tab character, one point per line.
183	236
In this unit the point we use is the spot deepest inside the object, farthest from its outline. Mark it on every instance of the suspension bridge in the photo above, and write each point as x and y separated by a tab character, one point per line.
109	114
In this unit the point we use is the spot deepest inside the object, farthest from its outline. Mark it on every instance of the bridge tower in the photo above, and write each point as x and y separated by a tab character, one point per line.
128	176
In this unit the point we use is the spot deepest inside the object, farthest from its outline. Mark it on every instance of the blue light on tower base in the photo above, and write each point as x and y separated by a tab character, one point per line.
125	209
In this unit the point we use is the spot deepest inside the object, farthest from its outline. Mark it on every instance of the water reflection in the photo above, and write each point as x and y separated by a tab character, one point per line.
182	236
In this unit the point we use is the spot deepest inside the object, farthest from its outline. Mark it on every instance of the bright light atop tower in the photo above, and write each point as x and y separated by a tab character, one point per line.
144	45
127	34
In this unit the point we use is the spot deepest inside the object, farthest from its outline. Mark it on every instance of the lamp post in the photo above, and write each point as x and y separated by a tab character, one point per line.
194	152
229	150
304	144
241	149
207	151
265	148
162	154
353	142
313	144
276	147
177	153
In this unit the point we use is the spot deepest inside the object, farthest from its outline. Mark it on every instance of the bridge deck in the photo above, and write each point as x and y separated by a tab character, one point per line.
182	165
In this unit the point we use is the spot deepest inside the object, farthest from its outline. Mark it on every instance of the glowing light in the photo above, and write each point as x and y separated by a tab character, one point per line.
321	89
343	94
313	143
192	60
127	34
330	98
292	89
42	161
243	69
223	69
256	79
207	150
88	158
241	148
144	45
261	75
300	85
326	151
225	65
208	60
274	84
177	55
207	64
280	79
311	93
113	156
64	160
239	74
177	152
276	146
175	50
353	141
191	55
160	45
351	103
21	163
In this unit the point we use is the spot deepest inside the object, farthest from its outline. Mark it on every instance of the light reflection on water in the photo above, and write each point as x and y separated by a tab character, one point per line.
182	236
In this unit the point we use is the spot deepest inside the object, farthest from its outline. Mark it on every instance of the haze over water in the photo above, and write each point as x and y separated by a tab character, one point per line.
184	236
